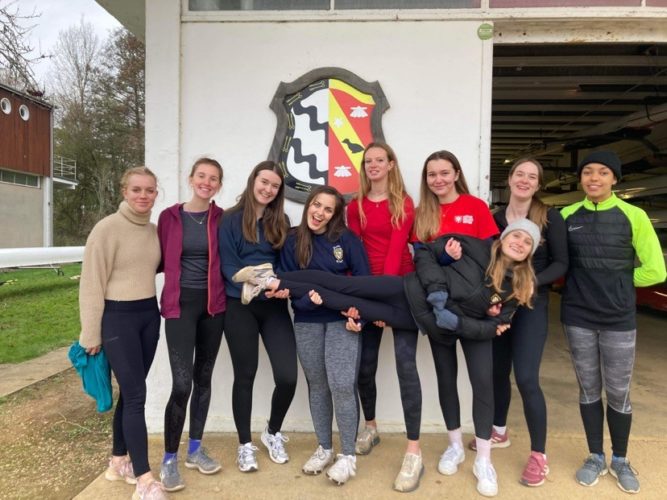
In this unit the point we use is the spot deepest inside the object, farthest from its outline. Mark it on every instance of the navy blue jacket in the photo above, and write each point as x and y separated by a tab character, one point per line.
343	256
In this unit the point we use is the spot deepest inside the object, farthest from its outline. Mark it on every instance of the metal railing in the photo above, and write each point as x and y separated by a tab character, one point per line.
64	168
40	256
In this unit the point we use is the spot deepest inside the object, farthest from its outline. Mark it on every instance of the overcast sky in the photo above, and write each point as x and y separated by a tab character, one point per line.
57	15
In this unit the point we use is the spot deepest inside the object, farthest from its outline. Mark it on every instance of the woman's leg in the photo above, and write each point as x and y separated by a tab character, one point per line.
209	337
617	353
529	335
180	334
342	349
585	352
371	336
378	298
130	332
446	368
310	348
479	360
275	326
242	332
405	351
502	369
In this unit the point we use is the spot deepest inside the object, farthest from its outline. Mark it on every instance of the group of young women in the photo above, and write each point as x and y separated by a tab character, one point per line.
233	272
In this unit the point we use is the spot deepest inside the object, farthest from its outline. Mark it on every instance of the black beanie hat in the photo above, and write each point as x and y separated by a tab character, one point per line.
606	158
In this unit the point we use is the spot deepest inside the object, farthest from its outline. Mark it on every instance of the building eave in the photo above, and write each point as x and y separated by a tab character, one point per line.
130	13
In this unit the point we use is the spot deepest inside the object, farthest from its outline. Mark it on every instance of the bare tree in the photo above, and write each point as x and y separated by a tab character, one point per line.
15	58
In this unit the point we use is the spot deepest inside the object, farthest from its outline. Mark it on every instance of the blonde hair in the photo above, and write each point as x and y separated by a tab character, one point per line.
537	212
396	192
141	170
523	275
427	214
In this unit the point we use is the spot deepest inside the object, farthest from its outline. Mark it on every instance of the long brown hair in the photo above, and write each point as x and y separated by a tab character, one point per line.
335	227
206	161
396	192
537	212
427	214
523	275
274	220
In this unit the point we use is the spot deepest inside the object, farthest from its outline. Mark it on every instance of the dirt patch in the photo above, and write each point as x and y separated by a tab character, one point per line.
54	442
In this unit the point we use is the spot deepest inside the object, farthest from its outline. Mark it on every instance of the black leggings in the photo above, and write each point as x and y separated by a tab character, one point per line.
130	332
405	352
378	298
522	346
199	334
479	357
243	326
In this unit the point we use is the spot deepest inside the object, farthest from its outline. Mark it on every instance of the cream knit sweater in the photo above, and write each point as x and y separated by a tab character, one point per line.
119	263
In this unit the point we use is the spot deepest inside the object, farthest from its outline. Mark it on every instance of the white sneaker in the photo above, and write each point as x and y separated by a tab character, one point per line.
487	480
344	468
246	458
318	461
274	443
450	460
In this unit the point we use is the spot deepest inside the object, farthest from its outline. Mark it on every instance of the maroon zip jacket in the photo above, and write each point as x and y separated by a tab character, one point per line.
170	233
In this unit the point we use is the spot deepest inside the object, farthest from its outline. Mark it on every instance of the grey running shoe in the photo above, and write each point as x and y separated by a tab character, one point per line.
589	473
170	477
366	440
318	461
200	460
626	476
275	444
246	458
253	272
411	472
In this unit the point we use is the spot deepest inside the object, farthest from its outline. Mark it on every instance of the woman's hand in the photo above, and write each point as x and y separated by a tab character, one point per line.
453	248
500	329
379	324
494	310
91	351
352	326
277	294
352	312
315	297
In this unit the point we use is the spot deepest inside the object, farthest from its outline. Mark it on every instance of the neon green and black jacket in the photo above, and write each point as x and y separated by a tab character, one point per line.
613	248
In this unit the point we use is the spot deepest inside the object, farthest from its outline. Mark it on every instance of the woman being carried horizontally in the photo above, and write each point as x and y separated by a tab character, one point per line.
329	354
119	312
193	305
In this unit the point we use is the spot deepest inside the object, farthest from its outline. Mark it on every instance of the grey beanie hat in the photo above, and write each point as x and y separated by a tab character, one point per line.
525	225
607	158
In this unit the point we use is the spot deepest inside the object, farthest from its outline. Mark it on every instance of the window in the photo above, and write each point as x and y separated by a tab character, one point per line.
238	5
19	178
5	105
24	112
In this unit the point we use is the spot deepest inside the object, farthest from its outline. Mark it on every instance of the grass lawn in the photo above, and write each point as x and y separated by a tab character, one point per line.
39	311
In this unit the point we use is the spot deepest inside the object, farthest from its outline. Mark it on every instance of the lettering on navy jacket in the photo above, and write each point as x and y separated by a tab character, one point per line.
470	295
604	240
170	233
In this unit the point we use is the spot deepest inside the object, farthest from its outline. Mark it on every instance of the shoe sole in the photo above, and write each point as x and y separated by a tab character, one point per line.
620	486
249	469
268	448
203	471
603	473
247	272
173	488
335	481
113	477
421	473
374	442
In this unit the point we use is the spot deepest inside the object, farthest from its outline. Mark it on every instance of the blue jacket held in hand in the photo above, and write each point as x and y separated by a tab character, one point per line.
95	374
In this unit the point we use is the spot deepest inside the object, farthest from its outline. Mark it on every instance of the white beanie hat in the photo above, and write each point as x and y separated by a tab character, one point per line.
527	226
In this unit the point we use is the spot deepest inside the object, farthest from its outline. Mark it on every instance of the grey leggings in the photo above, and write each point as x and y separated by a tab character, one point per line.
603	356
329	355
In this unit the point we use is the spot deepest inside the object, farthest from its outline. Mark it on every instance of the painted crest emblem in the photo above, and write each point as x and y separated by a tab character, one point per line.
325	120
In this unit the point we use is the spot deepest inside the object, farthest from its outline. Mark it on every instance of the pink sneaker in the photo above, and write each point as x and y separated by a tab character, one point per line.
149	491
121	472
536	470
497	441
